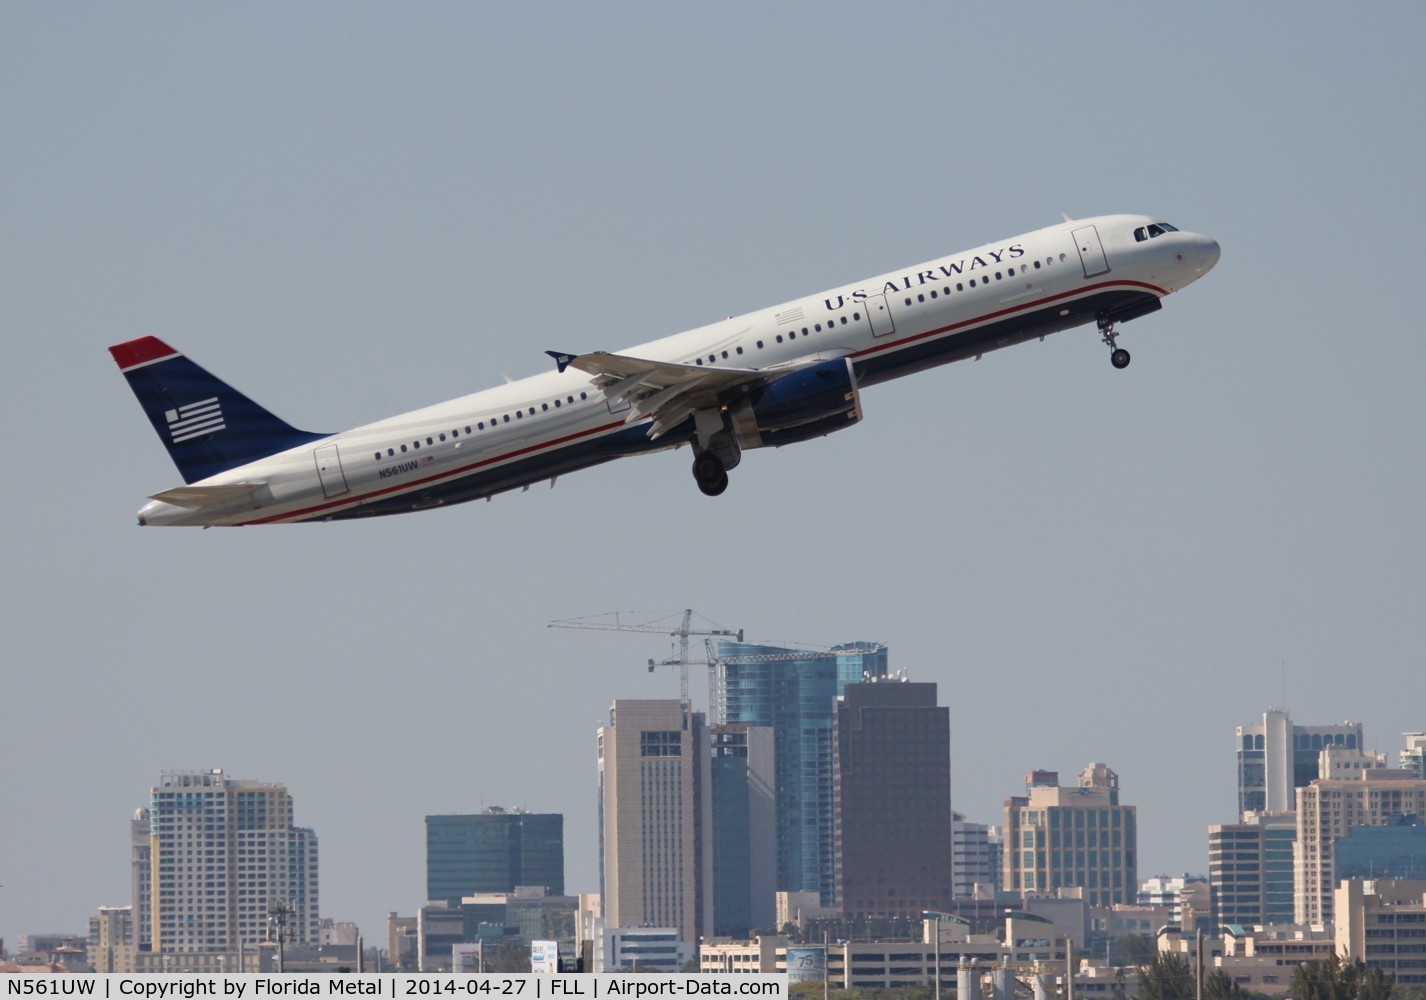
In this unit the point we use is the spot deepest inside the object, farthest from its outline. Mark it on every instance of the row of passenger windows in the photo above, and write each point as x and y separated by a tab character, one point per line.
999	275
480	425
791	335
713	358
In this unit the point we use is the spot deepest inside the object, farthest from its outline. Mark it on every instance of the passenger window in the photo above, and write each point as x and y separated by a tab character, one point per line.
416	445
390	452
430	441
725	355
844	321
779	338
760	345
443	437
403	449
545	406
378	456
740	350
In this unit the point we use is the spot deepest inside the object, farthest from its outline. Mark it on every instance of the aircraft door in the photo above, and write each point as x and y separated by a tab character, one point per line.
879	312
329	469
1091	251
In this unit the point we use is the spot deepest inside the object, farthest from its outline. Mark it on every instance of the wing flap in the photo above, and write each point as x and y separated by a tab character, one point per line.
667	391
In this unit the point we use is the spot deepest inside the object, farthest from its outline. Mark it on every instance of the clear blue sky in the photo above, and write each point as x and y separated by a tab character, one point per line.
353	209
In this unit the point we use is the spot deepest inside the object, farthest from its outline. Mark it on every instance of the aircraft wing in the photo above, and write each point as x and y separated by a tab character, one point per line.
668	391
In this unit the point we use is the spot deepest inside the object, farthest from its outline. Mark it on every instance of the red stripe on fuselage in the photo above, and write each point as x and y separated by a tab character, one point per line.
344	502
453	473
998	314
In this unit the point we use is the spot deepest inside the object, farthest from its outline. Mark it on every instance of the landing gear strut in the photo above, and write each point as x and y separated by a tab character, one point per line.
1118	357
710	473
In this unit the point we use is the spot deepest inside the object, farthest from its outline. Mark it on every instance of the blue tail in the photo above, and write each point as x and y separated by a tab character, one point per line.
207	425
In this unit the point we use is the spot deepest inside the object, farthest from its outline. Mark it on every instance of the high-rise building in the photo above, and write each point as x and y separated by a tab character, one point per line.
654	856
1326	811
744	819
111	939
1060	837
794	692
892	788
1250	870
1413	758
975	856
141	880
495	850
222	854
1276	757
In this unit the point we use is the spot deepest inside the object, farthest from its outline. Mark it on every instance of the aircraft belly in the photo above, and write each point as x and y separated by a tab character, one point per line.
914	355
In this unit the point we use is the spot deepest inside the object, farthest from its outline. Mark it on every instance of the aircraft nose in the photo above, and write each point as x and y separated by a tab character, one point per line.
1210	253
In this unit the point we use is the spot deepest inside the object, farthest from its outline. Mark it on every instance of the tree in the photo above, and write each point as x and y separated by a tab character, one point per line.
1334	979
1168	977
1218	985
1133	949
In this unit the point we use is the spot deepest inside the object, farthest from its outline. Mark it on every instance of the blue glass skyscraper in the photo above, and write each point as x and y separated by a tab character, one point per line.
794	691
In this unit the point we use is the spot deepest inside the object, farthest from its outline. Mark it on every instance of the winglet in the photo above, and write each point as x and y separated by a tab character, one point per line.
562	359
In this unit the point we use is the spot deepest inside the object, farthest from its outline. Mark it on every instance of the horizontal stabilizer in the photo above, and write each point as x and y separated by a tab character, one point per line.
197	497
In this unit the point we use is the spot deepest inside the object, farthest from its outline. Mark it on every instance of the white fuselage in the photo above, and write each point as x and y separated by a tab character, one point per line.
537	428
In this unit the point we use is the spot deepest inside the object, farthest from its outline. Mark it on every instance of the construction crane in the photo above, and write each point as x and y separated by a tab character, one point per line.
614	622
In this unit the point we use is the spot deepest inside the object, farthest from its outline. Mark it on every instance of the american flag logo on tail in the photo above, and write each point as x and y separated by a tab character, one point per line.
195	420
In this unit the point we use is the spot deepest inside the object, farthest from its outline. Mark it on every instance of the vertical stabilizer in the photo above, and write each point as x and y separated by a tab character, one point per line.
207	426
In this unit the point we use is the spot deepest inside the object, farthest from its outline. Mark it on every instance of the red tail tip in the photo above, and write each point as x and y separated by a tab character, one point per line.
133	353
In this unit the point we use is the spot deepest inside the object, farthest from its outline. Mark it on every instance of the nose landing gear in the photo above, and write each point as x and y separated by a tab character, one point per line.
1118	357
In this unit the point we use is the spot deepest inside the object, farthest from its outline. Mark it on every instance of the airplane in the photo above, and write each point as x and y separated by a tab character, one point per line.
769	378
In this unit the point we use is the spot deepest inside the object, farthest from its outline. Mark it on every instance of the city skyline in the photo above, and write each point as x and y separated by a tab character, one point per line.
350	211
176	782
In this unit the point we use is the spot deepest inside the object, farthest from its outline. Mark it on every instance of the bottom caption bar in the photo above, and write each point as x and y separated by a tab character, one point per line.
261	986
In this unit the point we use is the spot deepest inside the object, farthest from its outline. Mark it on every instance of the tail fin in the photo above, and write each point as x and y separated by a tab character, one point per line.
206	424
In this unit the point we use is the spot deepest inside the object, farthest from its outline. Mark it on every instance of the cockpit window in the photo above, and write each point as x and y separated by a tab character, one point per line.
1154	229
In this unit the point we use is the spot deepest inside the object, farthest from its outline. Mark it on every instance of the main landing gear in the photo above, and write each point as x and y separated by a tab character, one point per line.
715	451
709	472
1118	357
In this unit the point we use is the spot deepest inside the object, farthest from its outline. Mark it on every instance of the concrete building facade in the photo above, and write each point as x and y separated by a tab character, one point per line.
1082	836
223	853
1382	923
1250	870
654	818
1326	812
975	856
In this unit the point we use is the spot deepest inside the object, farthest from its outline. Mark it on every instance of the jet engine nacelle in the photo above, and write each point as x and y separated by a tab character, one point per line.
810	402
